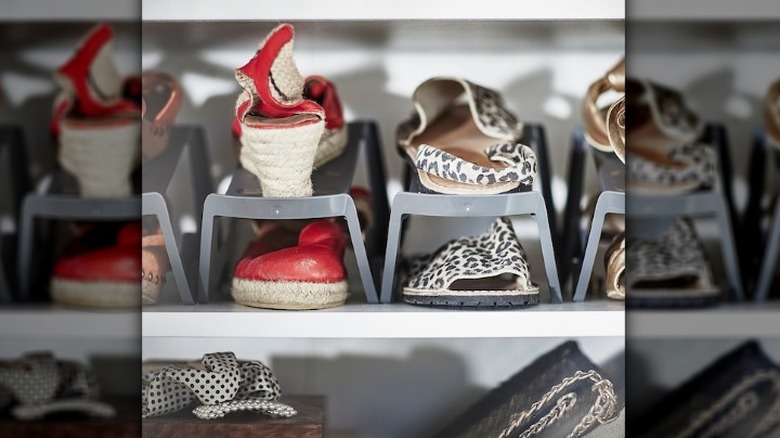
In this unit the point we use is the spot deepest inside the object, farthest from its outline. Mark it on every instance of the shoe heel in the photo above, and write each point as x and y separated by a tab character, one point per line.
282	159
101	157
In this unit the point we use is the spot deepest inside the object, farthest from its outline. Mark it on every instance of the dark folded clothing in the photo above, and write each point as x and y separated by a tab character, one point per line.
736	396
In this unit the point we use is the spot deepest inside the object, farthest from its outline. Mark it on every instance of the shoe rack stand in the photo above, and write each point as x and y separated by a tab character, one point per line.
612	200
348	353
15	180
763	244
185	142
715	202
514	204
331	184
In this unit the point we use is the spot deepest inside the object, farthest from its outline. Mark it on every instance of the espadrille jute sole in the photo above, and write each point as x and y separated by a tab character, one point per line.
96	293
150	292
289	295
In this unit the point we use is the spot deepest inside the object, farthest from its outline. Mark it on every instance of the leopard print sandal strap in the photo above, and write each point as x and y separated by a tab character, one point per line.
687	168
519	159
484	271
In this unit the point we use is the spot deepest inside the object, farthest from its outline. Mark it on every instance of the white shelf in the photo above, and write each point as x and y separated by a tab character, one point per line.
47	321
598	318
70	10
701	10
207	10
745	320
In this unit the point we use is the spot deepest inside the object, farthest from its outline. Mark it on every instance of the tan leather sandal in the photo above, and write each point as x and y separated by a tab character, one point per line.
772	114
595	117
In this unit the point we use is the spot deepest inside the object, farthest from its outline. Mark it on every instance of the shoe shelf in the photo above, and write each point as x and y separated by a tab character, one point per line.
185	143
308	423
49	321
612	200
124	424
529	203
204	10
715	202
702	10
396	320
331	182
60	201
761	248
71	10
15	179
731	320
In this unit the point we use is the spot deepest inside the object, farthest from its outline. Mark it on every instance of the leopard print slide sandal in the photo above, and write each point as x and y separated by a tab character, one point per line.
670	270
464	148
490	270
667	156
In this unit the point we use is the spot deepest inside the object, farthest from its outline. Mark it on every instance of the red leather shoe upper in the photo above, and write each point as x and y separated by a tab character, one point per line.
77	71
259	69
118	263
323	92
318	257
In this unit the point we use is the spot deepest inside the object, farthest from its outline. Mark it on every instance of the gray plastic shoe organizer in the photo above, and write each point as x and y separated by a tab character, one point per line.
61	201
331	183
612	200
714	202
185	142
14	178
771	254
530	203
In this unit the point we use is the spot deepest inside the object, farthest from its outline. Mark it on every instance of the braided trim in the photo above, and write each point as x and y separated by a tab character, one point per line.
769	420
602	411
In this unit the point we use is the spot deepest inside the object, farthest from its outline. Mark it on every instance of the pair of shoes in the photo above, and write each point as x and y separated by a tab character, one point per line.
100	267
670	270
737	395
307	275
298	264
41	385
605	131
286	124
667	156
222	384
468	148
96	119
560	394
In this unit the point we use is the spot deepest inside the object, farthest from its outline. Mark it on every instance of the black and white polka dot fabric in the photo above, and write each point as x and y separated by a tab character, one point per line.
224	386
38	385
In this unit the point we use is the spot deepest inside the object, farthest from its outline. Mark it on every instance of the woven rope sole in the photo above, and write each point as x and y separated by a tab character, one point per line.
101	158
331	145
282	159
289	295
96	293
150	292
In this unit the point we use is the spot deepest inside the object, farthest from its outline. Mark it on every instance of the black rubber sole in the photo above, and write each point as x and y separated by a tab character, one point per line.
482	302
